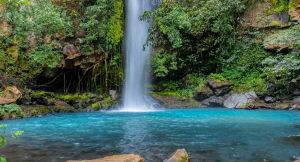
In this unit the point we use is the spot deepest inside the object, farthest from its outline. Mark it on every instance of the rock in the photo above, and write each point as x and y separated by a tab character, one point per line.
256	16
71	51
282	106
10	95
220	87
116	158
296	92
61	106
295	13
179	156
93	96
270	99
270	92
269	85
213	101
113	95
239	100
203	93
26	100
297	99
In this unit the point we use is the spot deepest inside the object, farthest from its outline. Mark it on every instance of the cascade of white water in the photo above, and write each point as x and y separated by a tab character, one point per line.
135	36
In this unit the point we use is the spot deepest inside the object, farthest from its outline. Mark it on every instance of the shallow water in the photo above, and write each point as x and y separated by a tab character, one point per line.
211	134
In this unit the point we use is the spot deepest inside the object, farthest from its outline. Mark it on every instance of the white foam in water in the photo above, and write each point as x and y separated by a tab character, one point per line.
136	36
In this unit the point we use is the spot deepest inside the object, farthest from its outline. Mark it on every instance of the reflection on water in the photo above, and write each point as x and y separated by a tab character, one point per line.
210	134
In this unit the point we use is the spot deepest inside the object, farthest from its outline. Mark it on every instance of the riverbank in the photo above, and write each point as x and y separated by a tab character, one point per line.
218	93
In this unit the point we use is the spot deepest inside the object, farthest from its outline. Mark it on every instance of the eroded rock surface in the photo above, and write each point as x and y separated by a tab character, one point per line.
116	158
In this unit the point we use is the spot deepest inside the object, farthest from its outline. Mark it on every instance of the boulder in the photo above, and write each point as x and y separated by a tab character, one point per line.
270	99
113	95
203	93
213	101
220	87
179	156
10	95
239	100
116	158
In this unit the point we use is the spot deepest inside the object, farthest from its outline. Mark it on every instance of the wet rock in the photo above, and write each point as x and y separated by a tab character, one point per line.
239	100
26	100
113	95
117	158
220	87
10	95
213	101
71	51
61	106
203	93
270	99
179	156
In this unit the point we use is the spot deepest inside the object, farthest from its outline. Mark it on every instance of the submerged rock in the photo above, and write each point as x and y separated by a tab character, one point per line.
116	158
220	87
239	100
179	156
10	95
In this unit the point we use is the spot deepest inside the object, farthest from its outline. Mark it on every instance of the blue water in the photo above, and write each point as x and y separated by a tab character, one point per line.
210	134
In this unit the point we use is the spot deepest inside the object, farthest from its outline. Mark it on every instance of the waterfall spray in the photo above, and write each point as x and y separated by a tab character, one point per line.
136	36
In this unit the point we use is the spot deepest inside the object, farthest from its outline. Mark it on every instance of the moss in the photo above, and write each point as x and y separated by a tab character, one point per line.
166	93
185	159
275	23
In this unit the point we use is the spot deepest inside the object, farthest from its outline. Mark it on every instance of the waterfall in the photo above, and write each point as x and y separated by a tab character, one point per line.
136	34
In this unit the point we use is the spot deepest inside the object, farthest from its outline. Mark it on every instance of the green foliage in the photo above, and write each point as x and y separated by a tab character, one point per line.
32	28
3	142
11	108
183	30
115	27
